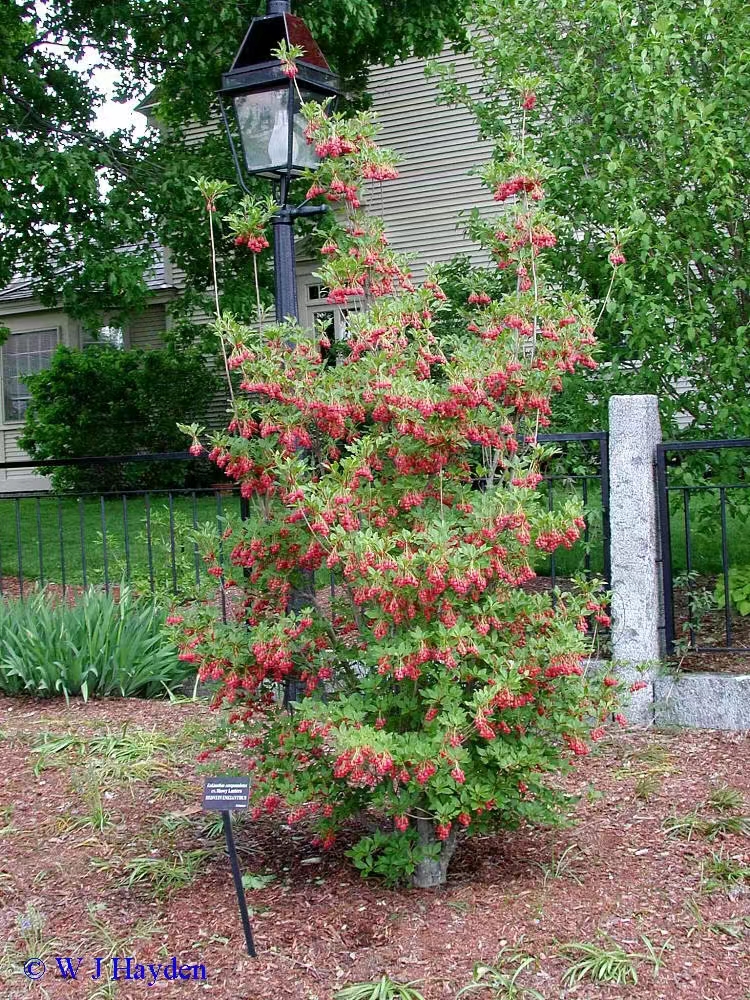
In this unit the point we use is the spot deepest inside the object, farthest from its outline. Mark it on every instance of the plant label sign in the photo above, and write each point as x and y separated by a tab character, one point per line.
226	794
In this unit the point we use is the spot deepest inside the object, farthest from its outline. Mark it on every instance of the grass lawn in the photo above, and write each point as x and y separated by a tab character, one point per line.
94	539
106	852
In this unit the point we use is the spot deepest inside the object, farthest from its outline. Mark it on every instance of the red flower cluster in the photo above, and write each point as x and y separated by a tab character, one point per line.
254	242
519	184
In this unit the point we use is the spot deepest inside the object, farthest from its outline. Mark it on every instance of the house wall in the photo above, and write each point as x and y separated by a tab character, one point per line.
28	316
438	147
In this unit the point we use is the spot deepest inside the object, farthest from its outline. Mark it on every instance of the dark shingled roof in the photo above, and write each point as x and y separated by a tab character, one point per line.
20	287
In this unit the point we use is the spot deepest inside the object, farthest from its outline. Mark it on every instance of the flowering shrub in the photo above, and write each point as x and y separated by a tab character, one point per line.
439	695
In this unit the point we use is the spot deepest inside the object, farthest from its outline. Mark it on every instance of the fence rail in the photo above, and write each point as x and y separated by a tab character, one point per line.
686	520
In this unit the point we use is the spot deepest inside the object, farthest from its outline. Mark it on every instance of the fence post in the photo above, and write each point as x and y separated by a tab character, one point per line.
637	616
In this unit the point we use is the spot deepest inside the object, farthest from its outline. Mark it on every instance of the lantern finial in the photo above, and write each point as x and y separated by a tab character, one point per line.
279	7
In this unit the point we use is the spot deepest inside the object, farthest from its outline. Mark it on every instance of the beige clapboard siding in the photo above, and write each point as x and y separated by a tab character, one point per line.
217	414
439	146
12	451
18	480
146	330
196	132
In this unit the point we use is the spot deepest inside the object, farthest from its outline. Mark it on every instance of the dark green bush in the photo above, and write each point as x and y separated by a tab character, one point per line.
104	401
97	646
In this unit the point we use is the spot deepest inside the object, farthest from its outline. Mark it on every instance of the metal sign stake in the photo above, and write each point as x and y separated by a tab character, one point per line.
239	888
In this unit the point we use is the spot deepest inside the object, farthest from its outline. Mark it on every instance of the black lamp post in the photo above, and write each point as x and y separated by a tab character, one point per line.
266	105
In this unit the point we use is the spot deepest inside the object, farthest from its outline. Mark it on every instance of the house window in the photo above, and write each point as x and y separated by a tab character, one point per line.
23	354
113	336
334	317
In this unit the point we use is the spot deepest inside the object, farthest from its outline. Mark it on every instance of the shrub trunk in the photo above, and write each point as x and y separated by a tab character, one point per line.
433	871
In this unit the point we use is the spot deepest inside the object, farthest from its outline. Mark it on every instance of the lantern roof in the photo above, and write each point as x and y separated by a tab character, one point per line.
256	66
266	33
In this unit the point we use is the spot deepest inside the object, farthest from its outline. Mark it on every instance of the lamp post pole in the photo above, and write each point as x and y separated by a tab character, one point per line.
284	265
267	99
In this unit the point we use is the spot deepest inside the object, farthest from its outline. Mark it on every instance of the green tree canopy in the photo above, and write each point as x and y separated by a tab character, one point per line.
73	197
645	129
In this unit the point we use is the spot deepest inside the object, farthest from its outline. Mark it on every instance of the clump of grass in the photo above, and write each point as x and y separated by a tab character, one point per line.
612	964
655	755
685	825
34	943
721	826
162	876
647	786
504	977
563	866
96	816
650	765
178	787
384	989
726	802
725	799
729	928
721	872
127	755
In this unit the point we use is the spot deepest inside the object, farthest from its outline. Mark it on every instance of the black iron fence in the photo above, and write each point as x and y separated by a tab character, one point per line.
67	540
71	539
704	519
582	470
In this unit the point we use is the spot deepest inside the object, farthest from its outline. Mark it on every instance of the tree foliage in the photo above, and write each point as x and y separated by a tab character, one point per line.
72	197
645	133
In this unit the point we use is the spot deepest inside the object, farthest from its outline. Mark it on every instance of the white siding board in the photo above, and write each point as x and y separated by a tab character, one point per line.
439	146
147	330
17	480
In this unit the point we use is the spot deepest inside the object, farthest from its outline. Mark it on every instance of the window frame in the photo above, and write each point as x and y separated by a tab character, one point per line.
55	328
316	305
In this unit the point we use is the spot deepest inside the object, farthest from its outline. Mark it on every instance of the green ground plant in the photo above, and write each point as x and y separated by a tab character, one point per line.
598	963
31	942
132	754
160	876
563	866
97	646
721	872
384	989
734	928
503	980
717	816
97	816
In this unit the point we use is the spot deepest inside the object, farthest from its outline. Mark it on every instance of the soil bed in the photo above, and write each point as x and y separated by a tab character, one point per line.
710	630
318	926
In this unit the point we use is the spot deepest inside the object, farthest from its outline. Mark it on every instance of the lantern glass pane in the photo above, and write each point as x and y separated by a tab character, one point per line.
262	117
304	152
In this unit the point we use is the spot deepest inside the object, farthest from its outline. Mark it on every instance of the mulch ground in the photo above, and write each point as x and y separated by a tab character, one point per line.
318	926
